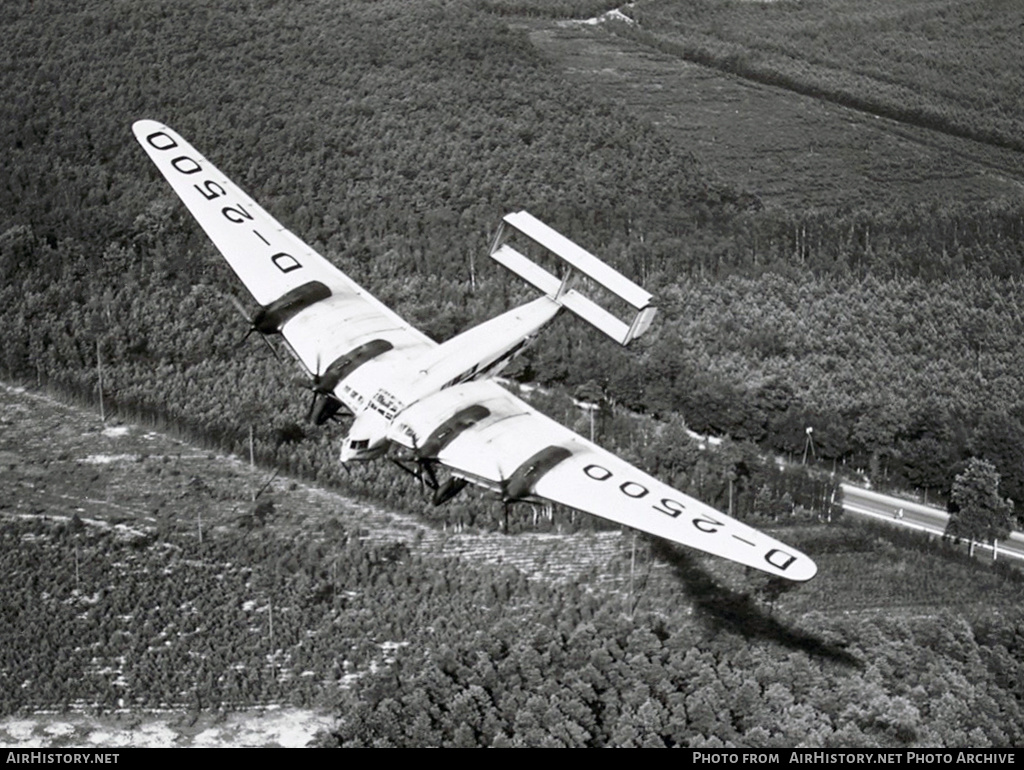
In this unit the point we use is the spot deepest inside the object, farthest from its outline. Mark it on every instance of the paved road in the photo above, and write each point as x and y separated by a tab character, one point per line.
907	513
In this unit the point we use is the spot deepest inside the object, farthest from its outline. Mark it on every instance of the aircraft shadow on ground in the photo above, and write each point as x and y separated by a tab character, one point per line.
742	613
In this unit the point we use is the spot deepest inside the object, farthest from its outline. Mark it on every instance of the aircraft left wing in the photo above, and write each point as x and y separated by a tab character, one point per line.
332	324
484	434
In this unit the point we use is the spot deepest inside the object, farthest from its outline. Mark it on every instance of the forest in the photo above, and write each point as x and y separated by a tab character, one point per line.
392	136
414	645
891	332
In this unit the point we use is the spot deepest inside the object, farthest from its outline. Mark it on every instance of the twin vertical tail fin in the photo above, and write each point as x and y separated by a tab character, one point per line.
635	308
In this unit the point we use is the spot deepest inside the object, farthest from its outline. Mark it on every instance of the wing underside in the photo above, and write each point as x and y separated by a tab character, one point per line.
485	434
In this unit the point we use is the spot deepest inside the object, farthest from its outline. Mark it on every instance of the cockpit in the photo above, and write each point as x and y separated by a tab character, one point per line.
362	449
366	439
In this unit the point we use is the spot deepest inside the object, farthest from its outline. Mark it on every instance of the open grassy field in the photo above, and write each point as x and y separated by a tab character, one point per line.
943	64
791	149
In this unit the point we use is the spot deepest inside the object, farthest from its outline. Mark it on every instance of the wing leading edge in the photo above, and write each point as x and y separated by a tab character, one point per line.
485	434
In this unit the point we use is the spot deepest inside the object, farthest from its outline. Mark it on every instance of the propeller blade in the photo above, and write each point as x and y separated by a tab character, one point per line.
252	327
239	307
262	337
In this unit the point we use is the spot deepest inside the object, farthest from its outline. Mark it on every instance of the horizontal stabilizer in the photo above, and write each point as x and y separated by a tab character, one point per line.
526	269
576	260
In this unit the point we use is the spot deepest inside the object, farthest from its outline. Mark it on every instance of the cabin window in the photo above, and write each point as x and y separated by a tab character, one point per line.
364	444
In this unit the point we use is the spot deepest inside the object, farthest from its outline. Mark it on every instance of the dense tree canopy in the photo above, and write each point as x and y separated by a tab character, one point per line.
977	510
392	136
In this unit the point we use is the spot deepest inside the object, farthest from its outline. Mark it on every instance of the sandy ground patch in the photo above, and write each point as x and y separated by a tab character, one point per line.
286	727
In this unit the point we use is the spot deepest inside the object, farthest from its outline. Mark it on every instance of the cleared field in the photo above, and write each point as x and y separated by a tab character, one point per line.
791	150
944	64
285	728
121	627
59	461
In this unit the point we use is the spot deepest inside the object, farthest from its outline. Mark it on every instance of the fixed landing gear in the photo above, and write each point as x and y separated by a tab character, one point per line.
423	470
449	489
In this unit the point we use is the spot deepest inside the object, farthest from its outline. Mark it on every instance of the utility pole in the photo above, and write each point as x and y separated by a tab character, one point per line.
99	370
261	490
273	662
589	407
809	444
632	568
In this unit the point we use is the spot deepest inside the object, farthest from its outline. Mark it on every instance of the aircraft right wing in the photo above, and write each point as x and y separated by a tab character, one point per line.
332	324
488	436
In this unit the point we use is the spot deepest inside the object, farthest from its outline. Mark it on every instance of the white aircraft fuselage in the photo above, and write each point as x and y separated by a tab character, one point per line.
474	354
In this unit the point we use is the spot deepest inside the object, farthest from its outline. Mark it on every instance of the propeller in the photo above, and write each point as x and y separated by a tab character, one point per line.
426	466
449	489
314	385
253	322
424	472
329	405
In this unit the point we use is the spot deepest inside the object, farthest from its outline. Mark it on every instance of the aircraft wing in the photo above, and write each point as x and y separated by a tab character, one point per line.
331	323
484	434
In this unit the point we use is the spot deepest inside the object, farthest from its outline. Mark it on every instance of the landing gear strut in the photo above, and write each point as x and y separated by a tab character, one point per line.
423	471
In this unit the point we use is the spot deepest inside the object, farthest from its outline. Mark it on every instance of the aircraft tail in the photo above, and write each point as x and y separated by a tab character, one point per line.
636	309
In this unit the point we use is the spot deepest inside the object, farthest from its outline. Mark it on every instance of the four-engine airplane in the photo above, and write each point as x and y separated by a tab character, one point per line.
437	405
